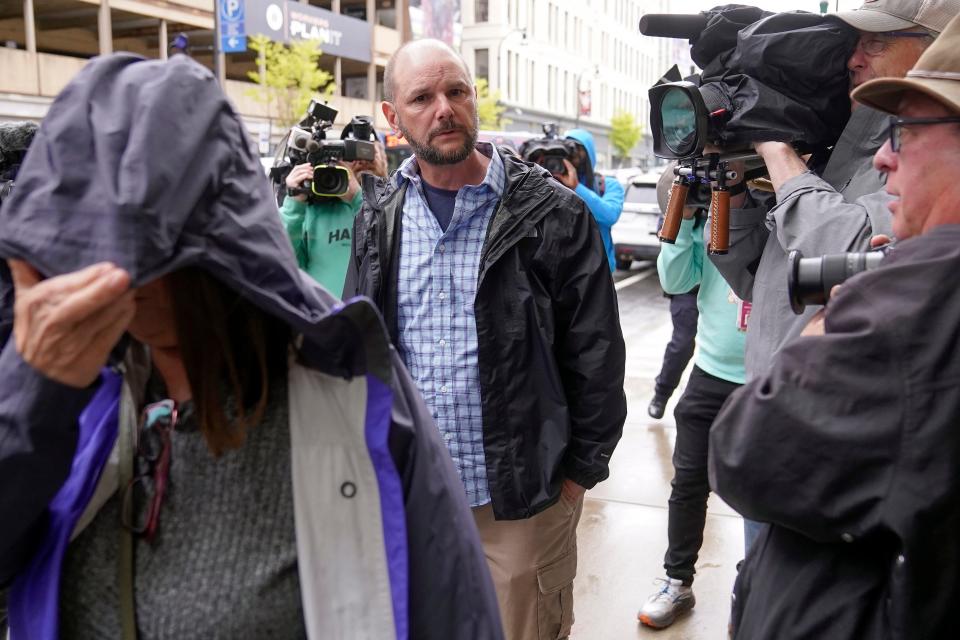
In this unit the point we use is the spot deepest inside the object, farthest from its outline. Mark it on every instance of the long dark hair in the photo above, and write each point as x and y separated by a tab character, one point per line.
230	350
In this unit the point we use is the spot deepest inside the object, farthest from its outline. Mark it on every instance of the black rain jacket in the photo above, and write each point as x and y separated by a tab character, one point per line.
850	448
551	353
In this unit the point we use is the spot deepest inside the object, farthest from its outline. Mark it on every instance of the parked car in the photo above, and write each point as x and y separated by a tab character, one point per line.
635	234
266	162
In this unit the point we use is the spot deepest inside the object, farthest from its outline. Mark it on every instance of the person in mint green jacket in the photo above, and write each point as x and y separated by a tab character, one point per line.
320	231
718	370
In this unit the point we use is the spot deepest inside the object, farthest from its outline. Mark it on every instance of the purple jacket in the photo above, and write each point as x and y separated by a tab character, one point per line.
146	164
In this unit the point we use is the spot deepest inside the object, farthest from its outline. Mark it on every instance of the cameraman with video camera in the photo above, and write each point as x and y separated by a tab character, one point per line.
320	228
603	195
571	161
834	209
849	446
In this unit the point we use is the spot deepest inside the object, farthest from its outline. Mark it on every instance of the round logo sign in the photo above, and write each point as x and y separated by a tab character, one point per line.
275	17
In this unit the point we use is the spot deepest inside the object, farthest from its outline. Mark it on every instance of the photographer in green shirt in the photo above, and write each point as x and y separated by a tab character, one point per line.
320	231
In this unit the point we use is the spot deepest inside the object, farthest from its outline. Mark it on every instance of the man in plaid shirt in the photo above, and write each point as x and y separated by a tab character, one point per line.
494	284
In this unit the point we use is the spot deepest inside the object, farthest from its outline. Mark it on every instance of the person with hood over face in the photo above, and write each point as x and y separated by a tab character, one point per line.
603	195
196	439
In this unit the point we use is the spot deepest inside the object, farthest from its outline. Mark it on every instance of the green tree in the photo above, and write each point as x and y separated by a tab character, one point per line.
489	108
625	133
288	77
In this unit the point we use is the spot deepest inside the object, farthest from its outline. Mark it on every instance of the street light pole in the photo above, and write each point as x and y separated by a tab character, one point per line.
219	60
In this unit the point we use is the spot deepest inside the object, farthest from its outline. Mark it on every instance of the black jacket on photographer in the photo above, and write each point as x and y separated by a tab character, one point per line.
850	448
551	352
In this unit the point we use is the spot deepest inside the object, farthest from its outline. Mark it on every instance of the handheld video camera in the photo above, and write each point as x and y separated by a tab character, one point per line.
766	77
549	151
307	142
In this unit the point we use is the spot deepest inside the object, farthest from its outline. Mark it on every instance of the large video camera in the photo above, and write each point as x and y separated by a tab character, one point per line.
549	151
307	143
766	77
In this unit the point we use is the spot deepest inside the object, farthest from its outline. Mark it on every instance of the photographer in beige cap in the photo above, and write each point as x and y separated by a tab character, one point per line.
893	34
922	156
849	446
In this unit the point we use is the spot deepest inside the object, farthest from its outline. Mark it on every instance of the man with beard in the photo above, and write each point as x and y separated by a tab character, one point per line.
494	284
320	228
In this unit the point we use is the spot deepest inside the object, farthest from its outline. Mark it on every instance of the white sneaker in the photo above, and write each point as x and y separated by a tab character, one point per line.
663	607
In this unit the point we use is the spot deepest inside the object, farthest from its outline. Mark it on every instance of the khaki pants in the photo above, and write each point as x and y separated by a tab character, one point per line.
533	563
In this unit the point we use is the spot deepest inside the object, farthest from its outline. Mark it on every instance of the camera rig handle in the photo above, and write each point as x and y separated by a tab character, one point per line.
720	209
674	213
712	168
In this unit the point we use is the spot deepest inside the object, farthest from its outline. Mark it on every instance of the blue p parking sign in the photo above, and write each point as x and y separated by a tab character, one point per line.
233	37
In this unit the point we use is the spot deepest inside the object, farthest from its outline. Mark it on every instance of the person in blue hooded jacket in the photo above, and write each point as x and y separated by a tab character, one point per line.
196	439
603	195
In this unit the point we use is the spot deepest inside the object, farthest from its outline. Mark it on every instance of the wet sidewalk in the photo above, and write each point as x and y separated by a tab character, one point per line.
623	532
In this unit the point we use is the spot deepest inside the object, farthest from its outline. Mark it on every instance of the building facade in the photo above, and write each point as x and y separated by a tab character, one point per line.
573	62
44	43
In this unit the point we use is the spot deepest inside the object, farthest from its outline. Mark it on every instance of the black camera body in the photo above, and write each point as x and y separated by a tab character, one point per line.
548	151
307	143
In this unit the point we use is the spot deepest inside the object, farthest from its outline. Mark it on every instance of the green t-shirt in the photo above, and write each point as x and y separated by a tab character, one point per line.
320	234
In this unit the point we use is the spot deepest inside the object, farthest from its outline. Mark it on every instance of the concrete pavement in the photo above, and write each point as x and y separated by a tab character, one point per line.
623	532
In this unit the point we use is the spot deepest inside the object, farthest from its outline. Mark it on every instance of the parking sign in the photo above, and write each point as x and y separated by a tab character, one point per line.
233	37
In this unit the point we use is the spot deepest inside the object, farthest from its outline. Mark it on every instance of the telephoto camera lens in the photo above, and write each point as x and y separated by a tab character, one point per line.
809	280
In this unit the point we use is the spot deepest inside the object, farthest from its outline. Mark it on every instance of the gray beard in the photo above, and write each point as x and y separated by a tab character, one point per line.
432	155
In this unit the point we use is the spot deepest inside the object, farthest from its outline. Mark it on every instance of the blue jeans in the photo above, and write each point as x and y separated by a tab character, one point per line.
684	314
751	529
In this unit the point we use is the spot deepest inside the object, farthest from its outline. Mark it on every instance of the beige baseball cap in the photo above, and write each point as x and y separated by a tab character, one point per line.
936	74
877	16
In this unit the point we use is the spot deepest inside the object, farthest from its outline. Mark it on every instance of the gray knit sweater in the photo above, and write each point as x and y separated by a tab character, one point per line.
224	562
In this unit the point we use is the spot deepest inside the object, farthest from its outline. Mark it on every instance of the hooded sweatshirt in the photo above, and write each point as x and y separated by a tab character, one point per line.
606	209
320	235
146	164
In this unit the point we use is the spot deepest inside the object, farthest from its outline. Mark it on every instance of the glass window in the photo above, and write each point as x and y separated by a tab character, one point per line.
481	11
481	62
641	194
550	87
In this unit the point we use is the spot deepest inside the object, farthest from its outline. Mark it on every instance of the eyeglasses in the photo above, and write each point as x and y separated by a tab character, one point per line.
875	44
897	123
152	464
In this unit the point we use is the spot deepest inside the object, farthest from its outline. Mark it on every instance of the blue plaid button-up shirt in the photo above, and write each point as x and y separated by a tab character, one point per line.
437	285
